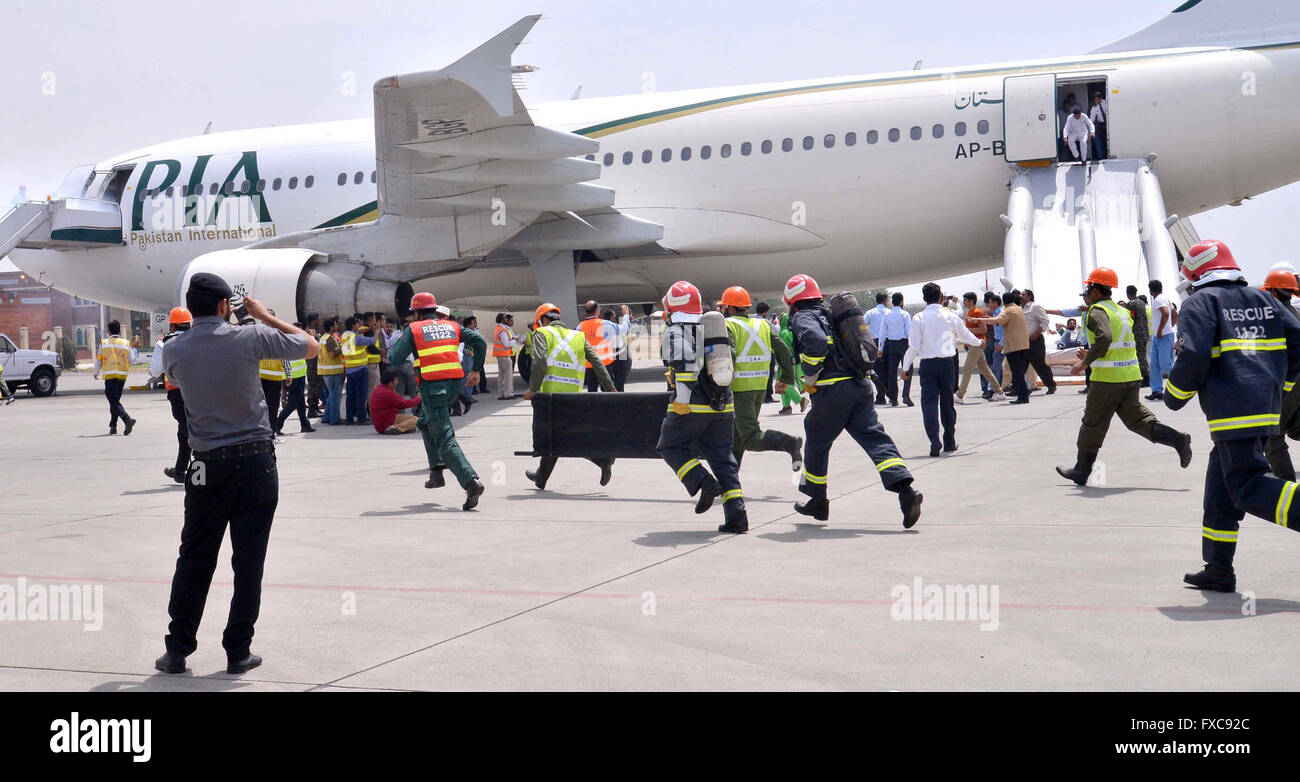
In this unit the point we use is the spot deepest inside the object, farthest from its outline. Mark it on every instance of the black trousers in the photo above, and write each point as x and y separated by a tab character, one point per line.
1038	360
1237	482
591	380
880	371
182	430
113	391
682	437
847	406
619	371
272	389
937	377
313	389
547	466
1018	362
241	493
897	350
297	402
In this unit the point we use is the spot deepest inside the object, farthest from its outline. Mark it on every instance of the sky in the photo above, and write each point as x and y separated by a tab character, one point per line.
83	81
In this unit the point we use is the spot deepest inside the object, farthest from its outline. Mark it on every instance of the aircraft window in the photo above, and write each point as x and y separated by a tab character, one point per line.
666	155
372	177
686	153
706	152
358	177
261	185
647	156
829	140
293	183
983	127
850	139
609	158
589	157
915	133
937	130
959	128
746	148
246	186
872	136
228	188
809	142
185	190
787	144
894	135
275	184
627	158
725	150
170	192
309	181
766	147
343	179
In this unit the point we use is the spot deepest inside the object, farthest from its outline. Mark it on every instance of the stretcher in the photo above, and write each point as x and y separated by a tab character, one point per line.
597	425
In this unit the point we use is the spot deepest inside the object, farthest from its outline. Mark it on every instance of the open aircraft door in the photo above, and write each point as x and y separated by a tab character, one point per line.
1029	118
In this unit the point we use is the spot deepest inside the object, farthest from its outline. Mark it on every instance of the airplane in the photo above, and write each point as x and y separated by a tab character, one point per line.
457	187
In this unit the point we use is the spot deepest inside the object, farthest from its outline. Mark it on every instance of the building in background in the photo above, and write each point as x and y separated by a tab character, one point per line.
38	313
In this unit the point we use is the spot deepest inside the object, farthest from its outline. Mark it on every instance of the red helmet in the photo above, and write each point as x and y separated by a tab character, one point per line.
423	301
800	288
1208	256
1103	276
684	298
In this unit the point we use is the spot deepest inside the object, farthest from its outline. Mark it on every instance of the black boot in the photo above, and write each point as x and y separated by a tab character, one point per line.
909	501
436	481
1182	443
737	521
130	424
1214	578
176	475
709	492
542	474
1081	470
170	662
606	470
818	509
472	493
780	441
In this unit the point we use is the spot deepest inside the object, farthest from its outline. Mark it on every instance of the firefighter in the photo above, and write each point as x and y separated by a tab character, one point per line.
700	417
179	321
755	347
841	401
434	342
1237	348
557	368
1282	284
1115	380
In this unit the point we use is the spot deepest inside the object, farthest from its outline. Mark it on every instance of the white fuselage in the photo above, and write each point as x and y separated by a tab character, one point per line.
1225	124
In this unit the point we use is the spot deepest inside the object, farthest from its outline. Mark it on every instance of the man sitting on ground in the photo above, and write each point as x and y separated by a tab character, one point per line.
387	407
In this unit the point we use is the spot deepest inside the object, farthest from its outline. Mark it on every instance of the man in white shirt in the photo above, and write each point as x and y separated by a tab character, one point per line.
1162	339
897	326
617	337
875	318
1038	324
932	344
1100	111
1078	132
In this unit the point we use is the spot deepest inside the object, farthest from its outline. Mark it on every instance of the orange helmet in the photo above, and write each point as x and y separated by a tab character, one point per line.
801	287
1208	256
684	298
545	309
735	296
423	301
179	316
1103	276
1281	280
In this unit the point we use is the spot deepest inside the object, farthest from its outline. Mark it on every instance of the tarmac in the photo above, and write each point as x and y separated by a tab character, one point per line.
373	582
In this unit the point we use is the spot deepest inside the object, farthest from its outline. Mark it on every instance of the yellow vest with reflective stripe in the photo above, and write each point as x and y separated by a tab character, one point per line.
271	369
1120	364
297	368
565	360
115	358
753	338
353	356
328	364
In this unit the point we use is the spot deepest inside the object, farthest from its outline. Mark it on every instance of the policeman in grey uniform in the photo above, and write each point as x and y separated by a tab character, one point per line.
232	478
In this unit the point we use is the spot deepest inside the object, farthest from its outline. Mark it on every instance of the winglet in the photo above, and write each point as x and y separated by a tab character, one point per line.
487	68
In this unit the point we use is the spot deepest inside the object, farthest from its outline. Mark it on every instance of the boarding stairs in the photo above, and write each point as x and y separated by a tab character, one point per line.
62	223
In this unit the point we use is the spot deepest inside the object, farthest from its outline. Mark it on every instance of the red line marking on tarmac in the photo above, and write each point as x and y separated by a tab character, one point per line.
637	596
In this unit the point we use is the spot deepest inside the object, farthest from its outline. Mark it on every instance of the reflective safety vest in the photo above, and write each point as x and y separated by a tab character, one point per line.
271	369
594	330
353	356
297	368
373	356
115	358
565	370
753	338
501	339
436	355
1120	364
329	362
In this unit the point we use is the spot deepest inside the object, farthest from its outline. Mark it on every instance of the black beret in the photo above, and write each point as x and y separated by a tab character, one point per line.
210	285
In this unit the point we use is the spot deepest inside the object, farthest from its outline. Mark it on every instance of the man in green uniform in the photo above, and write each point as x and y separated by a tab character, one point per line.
754	348
558	367
433	342
1116	381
